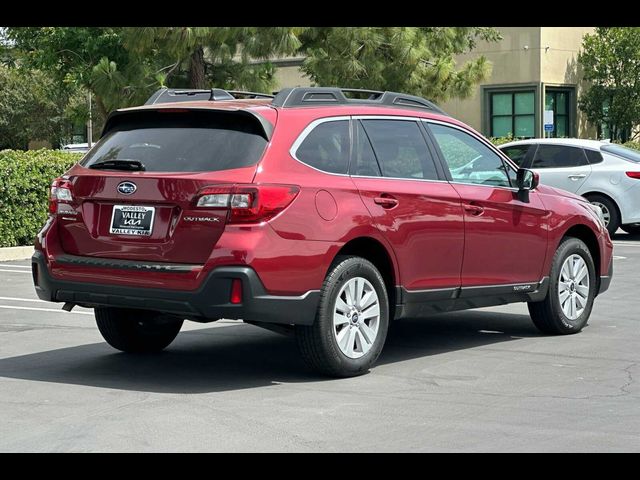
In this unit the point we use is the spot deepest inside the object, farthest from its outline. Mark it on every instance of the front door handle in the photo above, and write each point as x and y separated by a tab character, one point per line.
474	209
576	176
386	201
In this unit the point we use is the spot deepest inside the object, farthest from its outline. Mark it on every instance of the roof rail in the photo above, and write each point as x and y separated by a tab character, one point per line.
169	95
311	96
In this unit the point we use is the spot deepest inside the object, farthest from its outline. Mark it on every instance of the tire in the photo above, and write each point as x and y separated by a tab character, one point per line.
549	315
334	350
631	229
136	331
610	209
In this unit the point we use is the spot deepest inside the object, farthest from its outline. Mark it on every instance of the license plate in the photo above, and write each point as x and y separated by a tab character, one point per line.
132	220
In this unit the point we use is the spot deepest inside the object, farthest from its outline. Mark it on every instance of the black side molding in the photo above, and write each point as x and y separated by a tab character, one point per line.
420	303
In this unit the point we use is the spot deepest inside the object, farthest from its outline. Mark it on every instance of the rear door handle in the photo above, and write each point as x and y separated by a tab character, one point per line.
386	201
576	176
473	209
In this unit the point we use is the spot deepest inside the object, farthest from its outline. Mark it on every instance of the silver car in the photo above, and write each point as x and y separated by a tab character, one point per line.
606	174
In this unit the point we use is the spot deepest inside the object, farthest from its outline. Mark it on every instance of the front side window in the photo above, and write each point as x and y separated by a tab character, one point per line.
512	114
468	159
326	147
558	156
401	149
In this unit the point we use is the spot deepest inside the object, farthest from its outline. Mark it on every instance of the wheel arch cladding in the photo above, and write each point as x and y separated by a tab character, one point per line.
374	251
584	233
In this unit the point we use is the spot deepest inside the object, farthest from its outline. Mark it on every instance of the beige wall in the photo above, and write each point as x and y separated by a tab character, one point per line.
290	76
559	64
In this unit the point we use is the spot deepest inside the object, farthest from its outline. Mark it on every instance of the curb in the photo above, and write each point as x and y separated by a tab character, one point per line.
15	253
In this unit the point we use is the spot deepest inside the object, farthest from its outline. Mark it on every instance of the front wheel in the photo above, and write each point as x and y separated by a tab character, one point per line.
572	289
136	331
351	322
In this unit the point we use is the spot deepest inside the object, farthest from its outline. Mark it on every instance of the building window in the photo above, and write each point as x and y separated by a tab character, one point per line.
560	102
513	113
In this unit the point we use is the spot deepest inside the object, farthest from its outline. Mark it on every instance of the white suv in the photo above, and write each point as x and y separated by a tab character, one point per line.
608	175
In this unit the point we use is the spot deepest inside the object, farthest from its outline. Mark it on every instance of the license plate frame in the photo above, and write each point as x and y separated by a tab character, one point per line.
137	224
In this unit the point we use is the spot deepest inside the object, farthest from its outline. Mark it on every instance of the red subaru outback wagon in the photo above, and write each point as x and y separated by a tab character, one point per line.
325	211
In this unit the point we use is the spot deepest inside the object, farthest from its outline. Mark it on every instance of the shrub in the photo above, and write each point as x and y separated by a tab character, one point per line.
634	145
25	178
497	141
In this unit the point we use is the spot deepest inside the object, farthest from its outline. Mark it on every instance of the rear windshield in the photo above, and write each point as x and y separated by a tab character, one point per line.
182	142
624	152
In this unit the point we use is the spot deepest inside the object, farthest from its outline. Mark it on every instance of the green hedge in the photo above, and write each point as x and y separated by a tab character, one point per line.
497	141
25	178
634	145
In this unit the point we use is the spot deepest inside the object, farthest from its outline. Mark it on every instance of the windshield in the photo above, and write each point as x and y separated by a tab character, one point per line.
624	152
181	142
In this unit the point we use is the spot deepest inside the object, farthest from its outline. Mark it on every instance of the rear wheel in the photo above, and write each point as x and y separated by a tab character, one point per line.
572	288
351	323
609	211
136	331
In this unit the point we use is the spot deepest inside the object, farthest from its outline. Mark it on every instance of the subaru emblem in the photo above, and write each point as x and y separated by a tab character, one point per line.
127	188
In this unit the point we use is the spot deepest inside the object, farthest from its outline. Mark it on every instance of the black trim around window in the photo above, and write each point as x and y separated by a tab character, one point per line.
513	114
566	115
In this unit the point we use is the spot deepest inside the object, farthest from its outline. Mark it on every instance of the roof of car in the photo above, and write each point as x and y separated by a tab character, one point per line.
577	142
258	105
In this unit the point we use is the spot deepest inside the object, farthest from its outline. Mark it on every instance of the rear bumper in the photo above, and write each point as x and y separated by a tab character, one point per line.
207	303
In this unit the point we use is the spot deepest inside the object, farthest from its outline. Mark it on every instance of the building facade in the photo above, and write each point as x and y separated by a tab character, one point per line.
534	69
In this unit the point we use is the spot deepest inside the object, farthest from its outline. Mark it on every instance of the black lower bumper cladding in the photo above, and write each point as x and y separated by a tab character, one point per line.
208	303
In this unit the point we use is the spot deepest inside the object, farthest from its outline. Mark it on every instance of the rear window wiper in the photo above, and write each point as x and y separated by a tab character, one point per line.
122	164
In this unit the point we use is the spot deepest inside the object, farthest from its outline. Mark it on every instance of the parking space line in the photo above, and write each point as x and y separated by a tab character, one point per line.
11	307
15	271
3	265
16	299
626	244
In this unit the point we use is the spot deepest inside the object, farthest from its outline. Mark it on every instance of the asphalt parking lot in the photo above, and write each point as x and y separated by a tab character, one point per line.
481	380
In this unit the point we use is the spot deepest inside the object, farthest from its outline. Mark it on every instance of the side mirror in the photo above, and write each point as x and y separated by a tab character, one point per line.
526	180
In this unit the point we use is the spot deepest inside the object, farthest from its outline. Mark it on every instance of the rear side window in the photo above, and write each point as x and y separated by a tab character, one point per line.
516	153
182	142
326	147
558	156
593	156
401	149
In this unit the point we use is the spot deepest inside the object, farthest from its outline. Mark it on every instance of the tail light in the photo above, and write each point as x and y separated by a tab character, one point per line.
635	175
248	203
59	196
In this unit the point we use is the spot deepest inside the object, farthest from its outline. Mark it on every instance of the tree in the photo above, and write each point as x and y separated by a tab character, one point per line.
610	59
32	107
225	56
93	58
416	60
